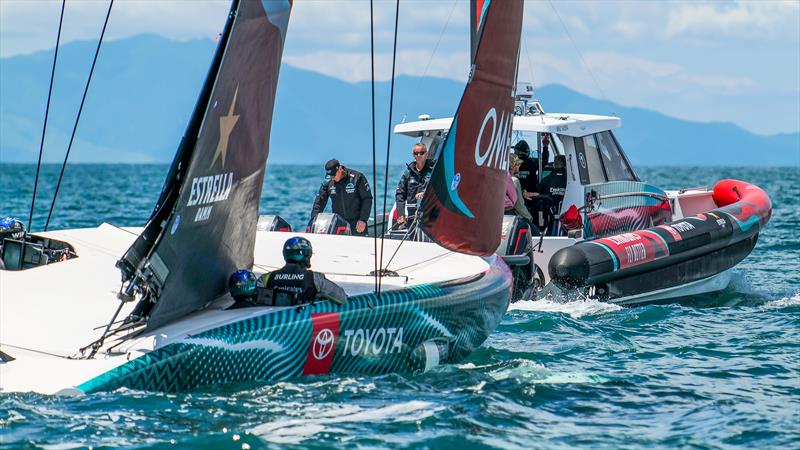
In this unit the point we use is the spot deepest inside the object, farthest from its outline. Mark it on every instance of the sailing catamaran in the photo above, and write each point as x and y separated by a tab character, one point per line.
170	326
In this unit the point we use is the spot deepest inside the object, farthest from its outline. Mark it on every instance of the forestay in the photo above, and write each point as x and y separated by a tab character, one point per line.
463	203
204	224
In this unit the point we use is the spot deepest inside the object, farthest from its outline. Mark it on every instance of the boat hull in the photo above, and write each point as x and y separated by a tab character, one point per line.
405	330
660	258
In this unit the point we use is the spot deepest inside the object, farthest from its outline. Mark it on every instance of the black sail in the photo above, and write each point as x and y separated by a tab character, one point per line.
204	224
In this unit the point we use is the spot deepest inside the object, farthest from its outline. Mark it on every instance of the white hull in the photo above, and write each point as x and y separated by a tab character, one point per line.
48	313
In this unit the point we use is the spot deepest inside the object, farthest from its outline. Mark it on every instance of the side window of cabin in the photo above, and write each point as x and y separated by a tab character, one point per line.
615	164
593	163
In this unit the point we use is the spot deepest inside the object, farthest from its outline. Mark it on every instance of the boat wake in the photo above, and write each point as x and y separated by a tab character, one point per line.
334	418
575	308
528	371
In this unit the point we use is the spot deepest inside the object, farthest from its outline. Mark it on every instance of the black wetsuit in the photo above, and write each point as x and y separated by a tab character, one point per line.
350	197
411	183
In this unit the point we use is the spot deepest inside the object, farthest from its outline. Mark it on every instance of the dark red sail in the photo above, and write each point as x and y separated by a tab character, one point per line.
205	223
463	203
477	12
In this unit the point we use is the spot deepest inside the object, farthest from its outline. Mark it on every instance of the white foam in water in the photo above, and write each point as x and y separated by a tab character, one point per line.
538	374
784	302
575	308
322	420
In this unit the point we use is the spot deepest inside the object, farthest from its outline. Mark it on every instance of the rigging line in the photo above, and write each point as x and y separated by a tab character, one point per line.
583	61
28	349
436	47
374	147
389	131
78	118
46	114
411	229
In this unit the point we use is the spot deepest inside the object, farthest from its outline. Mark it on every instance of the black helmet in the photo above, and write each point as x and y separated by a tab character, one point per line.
242	284
297	250
522	148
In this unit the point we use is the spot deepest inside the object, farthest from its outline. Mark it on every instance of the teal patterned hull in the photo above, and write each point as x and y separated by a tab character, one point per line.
407	330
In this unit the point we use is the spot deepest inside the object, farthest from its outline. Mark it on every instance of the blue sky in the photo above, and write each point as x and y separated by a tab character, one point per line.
699	60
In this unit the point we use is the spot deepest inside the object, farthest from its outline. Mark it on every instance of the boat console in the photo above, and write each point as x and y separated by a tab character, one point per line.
32	251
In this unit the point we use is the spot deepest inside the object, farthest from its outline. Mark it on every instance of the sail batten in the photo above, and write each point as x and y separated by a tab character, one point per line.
463	204
204	225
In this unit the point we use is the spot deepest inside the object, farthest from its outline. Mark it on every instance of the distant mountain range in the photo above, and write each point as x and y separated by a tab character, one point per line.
145	87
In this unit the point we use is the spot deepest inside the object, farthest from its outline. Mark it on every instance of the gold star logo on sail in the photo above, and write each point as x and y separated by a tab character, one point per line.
226	124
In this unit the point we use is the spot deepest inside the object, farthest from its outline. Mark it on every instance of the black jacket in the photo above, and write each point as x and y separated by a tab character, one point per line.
555	184
351	197
295	284
411	183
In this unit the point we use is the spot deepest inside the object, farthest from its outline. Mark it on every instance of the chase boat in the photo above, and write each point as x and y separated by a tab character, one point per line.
66	324
613	236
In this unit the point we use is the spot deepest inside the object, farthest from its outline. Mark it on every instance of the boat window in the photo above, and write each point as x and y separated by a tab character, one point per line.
593	163
614	162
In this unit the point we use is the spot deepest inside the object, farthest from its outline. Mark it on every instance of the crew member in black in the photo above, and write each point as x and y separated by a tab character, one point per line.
349	193
555	183
295	283
413	182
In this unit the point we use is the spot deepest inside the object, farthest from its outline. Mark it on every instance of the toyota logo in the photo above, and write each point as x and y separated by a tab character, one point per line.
323	344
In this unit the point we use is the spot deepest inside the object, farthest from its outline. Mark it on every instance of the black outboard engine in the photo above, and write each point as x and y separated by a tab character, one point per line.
516	249
328	223
271	222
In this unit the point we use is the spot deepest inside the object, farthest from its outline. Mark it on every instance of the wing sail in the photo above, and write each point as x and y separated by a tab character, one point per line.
463	203
204	224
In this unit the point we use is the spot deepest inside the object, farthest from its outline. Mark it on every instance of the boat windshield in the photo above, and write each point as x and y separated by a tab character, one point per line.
602	160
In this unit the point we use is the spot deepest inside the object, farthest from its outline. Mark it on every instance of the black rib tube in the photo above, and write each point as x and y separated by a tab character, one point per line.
389	131
78	118
46	114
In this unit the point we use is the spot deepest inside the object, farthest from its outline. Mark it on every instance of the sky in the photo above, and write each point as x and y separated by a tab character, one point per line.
708	61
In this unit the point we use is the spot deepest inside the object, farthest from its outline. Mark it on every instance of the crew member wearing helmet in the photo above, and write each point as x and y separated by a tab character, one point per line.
295	282
292	284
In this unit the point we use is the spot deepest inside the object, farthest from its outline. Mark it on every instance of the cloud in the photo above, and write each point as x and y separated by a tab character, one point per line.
761	20
355	66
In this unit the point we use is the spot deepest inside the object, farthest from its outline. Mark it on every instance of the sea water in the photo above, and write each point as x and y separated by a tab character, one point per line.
722	373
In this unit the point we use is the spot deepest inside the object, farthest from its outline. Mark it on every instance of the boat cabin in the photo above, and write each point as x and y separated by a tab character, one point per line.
591	151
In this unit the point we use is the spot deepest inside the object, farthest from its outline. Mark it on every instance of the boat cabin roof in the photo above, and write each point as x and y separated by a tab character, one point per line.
575	125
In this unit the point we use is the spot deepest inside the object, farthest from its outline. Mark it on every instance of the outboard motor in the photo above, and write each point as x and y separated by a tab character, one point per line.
516	249
328	223
271	222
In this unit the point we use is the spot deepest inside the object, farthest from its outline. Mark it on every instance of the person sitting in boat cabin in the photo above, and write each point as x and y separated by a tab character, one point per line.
295	283
518	208
350	196
555	183
413	183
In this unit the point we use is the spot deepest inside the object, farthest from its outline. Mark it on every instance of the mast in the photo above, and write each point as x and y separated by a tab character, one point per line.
203	226
463	204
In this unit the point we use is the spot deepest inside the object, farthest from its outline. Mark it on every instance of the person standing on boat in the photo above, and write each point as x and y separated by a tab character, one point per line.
350	196
519	208
413	183
554	184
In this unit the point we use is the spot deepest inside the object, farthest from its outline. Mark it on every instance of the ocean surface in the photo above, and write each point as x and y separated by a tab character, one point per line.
721	373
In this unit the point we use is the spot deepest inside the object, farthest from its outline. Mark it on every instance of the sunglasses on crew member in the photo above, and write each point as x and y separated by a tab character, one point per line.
420	152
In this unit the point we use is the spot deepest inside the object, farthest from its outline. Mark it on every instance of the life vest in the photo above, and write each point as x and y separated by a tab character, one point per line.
291	285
